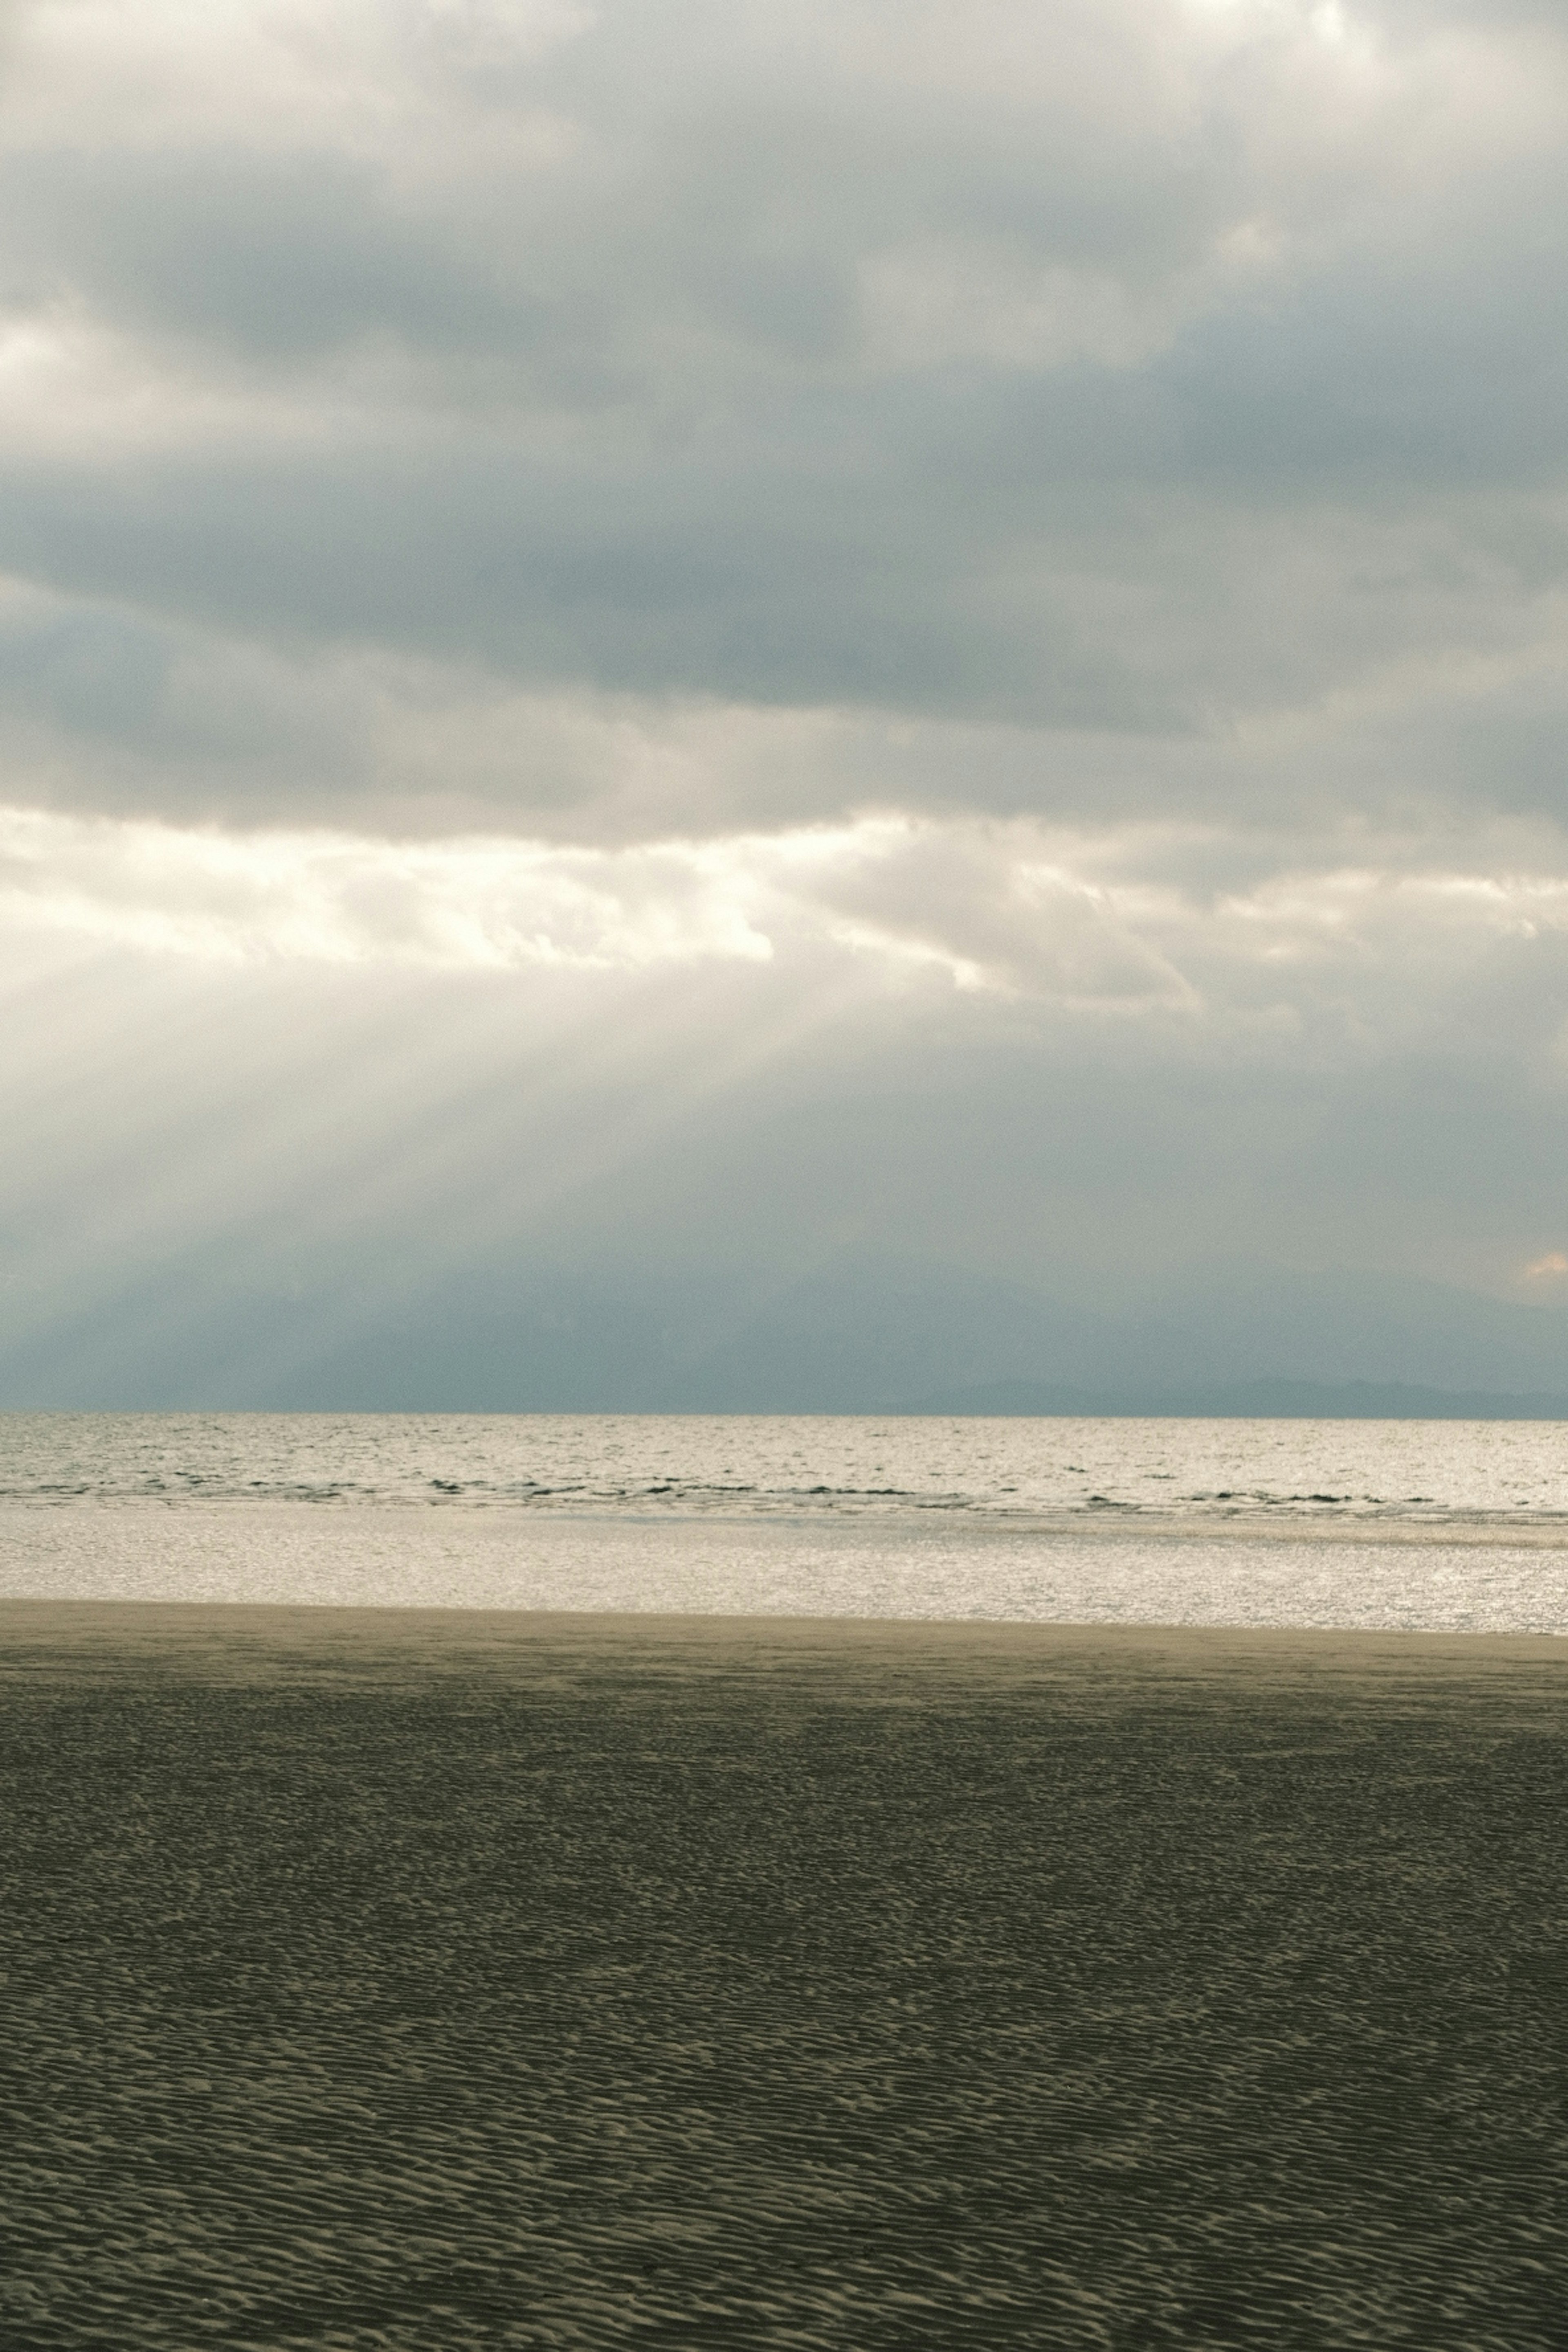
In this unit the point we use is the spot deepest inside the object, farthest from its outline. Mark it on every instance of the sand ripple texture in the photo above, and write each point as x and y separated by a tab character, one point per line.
428	1981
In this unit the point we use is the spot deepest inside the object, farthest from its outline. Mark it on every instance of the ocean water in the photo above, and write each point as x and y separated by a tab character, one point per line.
1442	1524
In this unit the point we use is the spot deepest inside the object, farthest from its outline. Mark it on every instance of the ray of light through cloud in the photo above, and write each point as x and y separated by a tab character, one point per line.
642	653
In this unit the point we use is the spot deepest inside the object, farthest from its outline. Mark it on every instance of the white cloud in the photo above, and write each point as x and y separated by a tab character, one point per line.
1083	926
464	905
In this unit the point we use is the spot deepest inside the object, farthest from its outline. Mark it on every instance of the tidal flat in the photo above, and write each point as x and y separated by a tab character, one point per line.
425	1979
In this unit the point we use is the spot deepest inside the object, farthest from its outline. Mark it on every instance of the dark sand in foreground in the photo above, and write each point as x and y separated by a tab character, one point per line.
408	1978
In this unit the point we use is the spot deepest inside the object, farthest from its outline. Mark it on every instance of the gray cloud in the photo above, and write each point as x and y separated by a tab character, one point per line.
1142	371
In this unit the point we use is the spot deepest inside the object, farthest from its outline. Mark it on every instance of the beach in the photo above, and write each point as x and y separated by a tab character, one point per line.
416	1977
783	1253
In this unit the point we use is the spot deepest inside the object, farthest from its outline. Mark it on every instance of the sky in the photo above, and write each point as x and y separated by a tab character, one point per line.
682	682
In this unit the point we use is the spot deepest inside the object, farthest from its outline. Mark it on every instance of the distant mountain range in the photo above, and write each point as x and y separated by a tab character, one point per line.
1247	1400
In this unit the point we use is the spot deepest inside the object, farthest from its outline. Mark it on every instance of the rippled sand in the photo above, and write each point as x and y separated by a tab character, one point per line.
418	1979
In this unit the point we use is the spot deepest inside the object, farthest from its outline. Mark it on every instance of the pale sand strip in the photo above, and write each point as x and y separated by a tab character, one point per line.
233	1641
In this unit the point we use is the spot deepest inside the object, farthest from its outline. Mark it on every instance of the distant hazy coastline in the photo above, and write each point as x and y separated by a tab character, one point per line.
1244	1400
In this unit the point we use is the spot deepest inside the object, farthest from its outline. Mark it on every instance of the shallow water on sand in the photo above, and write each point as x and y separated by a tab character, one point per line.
881	1569
399	1986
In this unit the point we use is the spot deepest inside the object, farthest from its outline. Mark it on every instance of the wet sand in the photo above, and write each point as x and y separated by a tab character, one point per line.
409	1978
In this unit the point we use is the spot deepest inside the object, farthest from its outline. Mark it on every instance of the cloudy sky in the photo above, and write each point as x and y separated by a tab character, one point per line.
654	653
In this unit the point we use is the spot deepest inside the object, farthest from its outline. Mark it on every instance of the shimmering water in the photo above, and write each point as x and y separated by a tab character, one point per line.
1430	1474
1451	1525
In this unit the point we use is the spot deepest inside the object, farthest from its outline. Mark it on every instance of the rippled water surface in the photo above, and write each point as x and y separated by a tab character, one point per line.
1421	1473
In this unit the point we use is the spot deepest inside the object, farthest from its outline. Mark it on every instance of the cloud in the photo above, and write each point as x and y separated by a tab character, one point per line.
1290	967
322	899
1144	372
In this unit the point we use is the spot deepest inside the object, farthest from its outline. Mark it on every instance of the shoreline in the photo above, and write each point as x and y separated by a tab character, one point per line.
1114	1523
446	1641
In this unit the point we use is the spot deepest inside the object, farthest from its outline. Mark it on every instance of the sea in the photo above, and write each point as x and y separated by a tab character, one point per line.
1426	1525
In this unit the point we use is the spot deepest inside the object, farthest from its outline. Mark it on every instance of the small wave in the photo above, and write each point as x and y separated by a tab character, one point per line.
1310	1482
